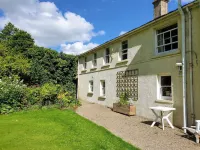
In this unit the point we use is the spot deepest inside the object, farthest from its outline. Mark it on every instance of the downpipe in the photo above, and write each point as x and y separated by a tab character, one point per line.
191	66
183	65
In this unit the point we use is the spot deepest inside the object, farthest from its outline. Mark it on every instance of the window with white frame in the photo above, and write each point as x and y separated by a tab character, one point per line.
167	39
91	86
102	88
107	56
85	63
94	59
165	87
124	50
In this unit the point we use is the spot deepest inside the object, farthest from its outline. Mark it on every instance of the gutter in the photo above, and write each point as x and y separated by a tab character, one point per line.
191	66
183	65
136	30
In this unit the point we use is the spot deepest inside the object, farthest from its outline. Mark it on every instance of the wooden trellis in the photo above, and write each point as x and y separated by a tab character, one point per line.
127	82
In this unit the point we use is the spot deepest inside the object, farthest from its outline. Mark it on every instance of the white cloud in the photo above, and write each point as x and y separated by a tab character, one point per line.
122	32
77	48
45	22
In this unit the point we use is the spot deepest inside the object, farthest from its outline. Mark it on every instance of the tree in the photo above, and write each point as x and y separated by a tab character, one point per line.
16	39
7	32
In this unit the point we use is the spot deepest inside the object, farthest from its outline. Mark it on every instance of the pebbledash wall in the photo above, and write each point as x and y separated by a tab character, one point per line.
142	56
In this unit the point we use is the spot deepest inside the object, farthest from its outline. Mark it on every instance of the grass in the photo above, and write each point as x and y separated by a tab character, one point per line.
53	129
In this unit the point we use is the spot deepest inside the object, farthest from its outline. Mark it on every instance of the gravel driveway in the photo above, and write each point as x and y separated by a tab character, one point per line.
136	130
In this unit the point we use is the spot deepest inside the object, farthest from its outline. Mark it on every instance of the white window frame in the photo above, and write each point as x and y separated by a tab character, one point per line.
94	61
122	51
107	56
102	88
91	86
163	40
159	90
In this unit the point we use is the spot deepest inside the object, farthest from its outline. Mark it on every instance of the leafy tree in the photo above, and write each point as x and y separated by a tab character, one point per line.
14	65
8	31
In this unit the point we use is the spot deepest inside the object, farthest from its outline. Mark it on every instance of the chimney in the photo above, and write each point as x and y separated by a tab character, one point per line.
160	8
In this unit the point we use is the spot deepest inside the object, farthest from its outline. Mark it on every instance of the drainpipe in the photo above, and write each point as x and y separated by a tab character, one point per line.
191	66
183	65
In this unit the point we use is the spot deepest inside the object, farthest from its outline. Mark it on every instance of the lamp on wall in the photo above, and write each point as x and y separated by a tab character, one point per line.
180	68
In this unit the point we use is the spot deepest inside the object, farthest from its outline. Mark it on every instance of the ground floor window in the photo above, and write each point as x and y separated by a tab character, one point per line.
102	88
165	87
91	86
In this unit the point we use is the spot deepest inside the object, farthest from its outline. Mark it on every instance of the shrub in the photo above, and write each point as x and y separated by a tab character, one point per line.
33	95
12	97
124	99
48	93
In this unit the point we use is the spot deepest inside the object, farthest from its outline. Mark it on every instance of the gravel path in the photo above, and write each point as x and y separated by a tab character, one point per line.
136	130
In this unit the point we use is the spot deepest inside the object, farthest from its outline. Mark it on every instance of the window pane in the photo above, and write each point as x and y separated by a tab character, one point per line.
175	39
174	45
160	49
167	35
167	41
124	51
107	59
168	47
125	45
174	32
160	37
166	81
107	51
95	56
160	43
124	56
166	91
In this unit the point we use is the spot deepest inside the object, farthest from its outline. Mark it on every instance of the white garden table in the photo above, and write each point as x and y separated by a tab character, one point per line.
167	110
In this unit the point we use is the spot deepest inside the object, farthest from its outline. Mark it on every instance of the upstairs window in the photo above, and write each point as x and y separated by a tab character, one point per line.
167	39
102	88
124	52
95	60
165	88
85	63
91	86
107	55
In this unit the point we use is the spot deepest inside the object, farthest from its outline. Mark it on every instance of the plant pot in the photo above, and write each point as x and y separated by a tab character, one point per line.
129	110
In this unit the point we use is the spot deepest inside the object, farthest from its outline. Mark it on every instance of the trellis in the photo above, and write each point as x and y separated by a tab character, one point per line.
127	82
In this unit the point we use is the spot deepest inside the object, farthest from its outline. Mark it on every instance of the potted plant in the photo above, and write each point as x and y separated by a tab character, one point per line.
124	106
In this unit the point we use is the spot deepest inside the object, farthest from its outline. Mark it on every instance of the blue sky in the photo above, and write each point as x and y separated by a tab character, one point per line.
74	26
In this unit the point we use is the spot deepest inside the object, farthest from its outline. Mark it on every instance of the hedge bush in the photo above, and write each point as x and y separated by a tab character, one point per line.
17	96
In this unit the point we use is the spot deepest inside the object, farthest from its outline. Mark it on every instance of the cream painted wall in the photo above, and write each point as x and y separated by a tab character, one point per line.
142	56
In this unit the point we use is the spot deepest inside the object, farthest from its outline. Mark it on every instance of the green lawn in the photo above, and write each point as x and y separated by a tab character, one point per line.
55	130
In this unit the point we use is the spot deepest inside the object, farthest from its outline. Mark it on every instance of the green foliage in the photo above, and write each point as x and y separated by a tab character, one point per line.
124	99
33	95
45	73
14	65
12	95
48	93
65	99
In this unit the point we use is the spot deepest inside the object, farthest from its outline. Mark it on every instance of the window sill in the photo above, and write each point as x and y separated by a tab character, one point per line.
101	98
89	94
105	66
164	54
164	101
123	62
84	71
93	69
